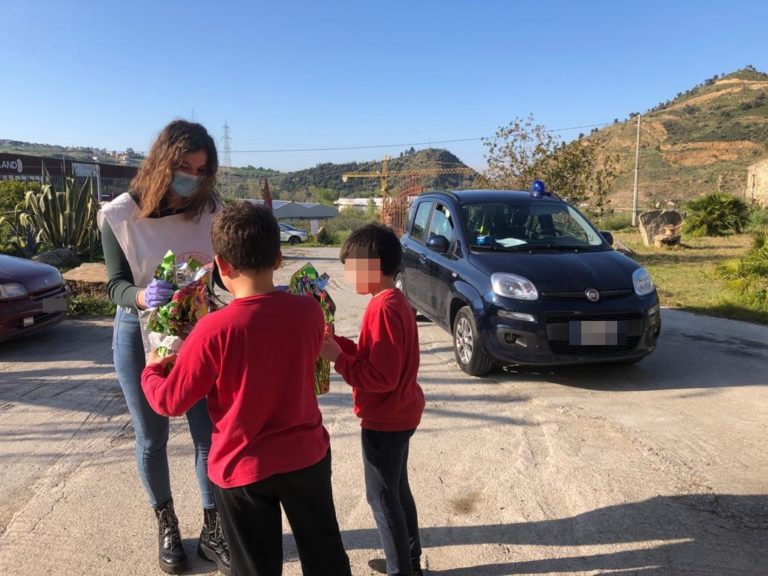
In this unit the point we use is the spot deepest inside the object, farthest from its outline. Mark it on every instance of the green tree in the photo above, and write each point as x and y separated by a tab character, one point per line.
372	211
325	196
579	171
514	153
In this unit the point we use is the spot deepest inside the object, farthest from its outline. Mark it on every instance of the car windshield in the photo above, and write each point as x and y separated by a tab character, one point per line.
527	225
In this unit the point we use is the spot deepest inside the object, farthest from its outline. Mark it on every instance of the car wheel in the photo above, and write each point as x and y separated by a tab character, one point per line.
470	356
294	240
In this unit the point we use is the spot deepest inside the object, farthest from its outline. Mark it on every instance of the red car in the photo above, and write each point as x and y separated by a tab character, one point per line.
33	297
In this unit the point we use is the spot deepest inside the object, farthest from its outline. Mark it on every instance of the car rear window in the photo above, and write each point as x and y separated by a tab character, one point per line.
418	231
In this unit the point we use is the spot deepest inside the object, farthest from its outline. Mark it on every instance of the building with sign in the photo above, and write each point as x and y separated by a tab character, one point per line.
110	179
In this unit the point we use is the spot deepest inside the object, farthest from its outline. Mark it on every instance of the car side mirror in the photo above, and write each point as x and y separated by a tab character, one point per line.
608	237
438	244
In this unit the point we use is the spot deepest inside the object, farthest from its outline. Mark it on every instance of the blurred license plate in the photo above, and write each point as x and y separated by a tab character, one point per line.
55	305
597	333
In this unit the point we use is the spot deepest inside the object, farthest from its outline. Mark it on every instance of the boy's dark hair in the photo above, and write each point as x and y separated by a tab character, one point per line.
375	241
247	236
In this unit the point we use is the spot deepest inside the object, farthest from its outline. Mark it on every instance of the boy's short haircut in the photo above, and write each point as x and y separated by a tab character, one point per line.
374	241
247	236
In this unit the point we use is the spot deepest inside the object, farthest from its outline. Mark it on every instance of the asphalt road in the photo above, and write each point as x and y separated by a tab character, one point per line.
656	468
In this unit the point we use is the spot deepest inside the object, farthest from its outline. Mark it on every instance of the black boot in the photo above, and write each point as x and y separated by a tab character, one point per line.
171	555
212	545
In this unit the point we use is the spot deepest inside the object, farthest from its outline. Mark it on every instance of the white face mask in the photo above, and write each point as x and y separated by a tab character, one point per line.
185	185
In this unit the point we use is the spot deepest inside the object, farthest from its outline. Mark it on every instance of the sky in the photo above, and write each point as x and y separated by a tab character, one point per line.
293	79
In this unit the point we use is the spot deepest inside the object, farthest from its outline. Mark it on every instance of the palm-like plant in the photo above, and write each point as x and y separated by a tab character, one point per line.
748	275
716	215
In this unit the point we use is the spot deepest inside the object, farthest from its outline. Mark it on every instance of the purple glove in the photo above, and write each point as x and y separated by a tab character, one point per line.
158	293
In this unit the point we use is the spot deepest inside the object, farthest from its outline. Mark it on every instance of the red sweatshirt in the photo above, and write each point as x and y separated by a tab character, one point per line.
382	367
255	362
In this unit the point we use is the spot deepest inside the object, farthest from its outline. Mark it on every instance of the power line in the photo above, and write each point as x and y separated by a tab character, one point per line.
375	146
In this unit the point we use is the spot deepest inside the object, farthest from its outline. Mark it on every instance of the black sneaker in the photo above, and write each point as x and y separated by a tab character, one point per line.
378	565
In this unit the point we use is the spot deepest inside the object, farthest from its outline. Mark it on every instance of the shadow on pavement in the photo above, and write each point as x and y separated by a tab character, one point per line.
709	534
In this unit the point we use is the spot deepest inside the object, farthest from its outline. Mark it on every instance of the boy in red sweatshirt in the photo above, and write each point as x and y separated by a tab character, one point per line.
382	369
254	360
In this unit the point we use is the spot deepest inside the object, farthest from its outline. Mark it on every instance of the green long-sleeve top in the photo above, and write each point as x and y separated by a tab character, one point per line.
120	287
120	284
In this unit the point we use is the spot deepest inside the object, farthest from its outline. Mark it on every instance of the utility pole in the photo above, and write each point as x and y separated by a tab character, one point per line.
637	174
227	157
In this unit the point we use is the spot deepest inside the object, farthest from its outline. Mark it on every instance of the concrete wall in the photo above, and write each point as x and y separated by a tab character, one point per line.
757	182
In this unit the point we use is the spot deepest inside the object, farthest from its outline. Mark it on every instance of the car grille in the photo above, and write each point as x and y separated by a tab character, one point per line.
558	330
47	292
604	294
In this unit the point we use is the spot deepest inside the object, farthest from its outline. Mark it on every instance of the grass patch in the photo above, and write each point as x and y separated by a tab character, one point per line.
686	276
87	305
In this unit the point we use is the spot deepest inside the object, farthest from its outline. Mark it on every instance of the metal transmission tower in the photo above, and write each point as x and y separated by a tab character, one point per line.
226	173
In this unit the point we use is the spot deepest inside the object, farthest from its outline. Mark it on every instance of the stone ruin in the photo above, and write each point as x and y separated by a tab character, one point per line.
661	227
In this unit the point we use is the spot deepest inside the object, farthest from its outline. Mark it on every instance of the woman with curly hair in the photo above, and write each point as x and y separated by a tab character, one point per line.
170	206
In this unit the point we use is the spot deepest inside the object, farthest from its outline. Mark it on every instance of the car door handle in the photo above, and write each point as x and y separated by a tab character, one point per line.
422	259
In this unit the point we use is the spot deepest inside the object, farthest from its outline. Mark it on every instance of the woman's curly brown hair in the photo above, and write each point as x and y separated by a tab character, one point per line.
156	173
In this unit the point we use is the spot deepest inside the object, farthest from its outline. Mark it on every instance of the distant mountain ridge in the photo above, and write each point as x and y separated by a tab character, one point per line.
300	184
247	182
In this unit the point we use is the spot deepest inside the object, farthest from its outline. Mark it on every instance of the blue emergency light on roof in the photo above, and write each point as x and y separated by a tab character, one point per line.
538	189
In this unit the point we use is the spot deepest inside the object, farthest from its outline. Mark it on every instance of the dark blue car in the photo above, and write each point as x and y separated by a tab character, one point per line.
524	278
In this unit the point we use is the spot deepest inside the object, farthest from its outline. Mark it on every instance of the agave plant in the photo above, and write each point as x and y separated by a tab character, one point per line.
66	219
25	236
716	215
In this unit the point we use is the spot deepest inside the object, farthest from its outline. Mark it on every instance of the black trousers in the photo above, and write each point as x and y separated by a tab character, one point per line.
385	460
250	516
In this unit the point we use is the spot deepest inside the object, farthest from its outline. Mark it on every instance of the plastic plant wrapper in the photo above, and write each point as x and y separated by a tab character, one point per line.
165	328
306	280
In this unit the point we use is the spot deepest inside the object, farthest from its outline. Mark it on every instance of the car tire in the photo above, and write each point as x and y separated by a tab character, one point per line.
469	353
293	240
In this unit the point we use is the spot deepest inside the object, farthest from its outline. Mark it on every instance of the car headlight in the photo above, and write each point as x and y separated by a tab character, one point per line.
642	282
8	291
513	286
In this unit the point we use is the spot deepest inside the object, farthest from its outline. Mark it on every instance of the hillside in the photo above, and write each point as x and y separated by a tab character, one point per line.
76	153
303	184
701	141
246	182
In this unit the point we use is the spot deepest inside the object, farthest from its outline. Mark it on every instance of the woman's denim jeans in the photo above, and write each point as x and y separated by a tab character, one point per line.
152	429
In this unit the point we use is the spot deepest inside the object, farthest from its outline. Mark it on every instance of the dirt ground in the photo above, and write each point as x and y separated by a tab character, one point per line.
657	468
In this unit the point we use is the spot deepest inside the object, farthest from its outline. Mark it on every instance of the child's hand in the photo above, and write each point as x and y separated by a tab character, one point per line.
166	362
329	349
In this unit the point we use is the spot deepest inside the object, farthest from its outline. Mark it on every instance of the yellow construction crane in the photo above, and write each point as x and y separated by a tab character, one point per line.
384	173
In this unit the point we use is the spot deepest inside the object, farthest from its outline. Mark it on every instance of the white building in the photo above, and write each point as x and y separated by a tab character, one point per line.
359	203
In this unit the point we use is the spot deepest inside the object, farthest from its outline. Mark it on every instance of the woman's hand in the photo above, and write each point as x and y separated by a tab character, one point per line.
329	349
158	292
